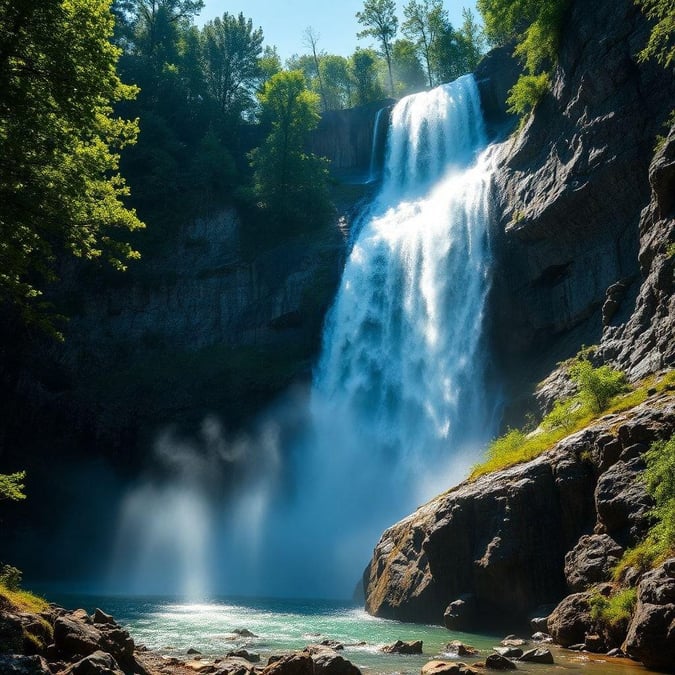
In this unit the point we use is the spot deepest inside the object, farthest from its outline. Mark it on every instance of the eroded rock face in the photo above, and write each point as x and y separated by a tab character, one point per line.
513	539
570	189
651	634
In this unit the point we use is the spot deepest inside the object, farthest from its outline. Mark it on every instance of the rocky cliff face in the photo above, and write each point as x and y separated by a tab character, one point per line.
570	189
497	549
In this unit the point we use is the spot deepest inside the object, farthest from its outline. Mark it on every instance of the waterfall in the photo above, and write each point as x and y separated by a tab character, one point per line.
374	150
400	403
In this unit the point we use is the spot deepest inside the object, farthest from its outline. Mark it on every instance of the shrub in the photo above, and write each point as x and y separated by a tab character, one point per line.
11	486
616	609
10	577
527	92
597	386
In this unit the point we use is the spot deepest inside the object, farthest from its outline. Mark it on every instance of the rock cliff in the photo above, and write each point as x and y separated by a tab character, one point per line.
513	541
571	186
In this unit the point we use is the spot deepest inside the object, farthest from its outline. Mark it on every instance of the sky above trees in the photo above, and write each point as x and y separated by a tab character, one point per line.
283	23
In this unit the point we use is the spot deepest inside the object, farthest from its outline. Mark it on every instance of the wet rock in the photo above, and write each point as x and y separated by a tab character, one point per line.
291	664
541	637
401	647
252	657
509	652
333	644
328	662
23	665
651	633
98	663
244	632
595	643
498	662
591	561
74	636
460	649
437	667
579	647
537	656
192	650
616	653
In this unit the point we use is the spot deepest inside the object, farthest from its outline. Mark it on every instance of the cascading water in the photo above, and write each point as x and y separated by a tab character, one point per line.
400	400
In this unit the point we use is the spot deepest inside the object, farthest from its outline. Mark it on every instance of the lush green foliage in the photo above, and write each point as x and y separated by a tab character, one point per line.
425	21
661	44
616	609
289	184
20	600
10	577
60	189
12	487
597	386
380	22
535	26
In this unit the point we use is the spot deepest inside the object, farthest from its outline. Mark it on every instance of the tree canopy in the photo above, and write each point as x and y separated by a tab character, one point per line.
380	22
60	188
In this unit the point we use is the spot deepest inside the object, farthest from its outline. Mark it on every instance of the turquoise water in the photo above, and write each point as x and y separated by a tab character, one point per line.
172	627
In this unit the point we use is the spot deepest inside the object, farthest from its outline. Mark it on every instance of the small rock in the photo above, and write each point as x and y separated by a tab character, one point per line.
400	647
333	644
537	656
509	652
512	641
23	665
498	662
251	657
200	667
98	663
616	653
579	647
101	617
244	632
192	650
542	637
457	647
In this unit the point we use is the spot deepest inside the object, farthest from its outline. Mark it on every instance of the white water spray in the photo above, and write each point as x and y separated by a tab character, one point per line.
400	401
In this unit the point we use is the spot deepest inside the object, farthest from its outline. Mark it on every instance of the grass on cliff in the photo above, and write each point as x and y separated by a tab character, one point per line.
601	391
13	597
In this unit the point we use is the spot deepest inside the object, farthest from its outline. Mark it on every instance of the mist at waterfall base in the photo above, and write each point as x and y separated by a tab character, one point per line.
399	407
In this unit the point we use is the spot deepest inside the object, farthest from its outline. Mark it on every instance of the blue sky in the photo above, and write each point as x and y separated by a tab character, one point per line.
283	21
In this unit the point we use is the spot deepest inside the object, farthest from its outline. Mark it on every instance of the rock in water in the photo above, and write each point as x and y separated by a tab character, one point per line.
400	647
441	668
498	662
537	656
292	664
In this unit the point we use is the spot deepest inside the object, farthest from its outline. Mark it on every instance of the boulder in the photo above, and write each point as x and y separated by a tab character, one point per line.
101	617
244	632
537	656
571	620
291	664
14	664
11	633
333	644
401	647
539	624
651	633
98	663
74	636
591	561
509	652
499	662
329	662
436	667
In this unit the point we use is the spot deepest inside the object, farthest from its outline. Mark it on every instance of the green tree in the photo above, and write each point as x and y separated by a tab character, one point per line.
60	189
289	185
336	76
232	52
536	27
471	40
381	23
597	386
424	21
661	44
408	71
364	67
12	487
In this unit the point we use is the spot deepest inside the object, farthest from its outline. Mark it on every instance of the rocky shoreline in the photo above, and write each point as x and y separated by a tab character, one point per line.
63	642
